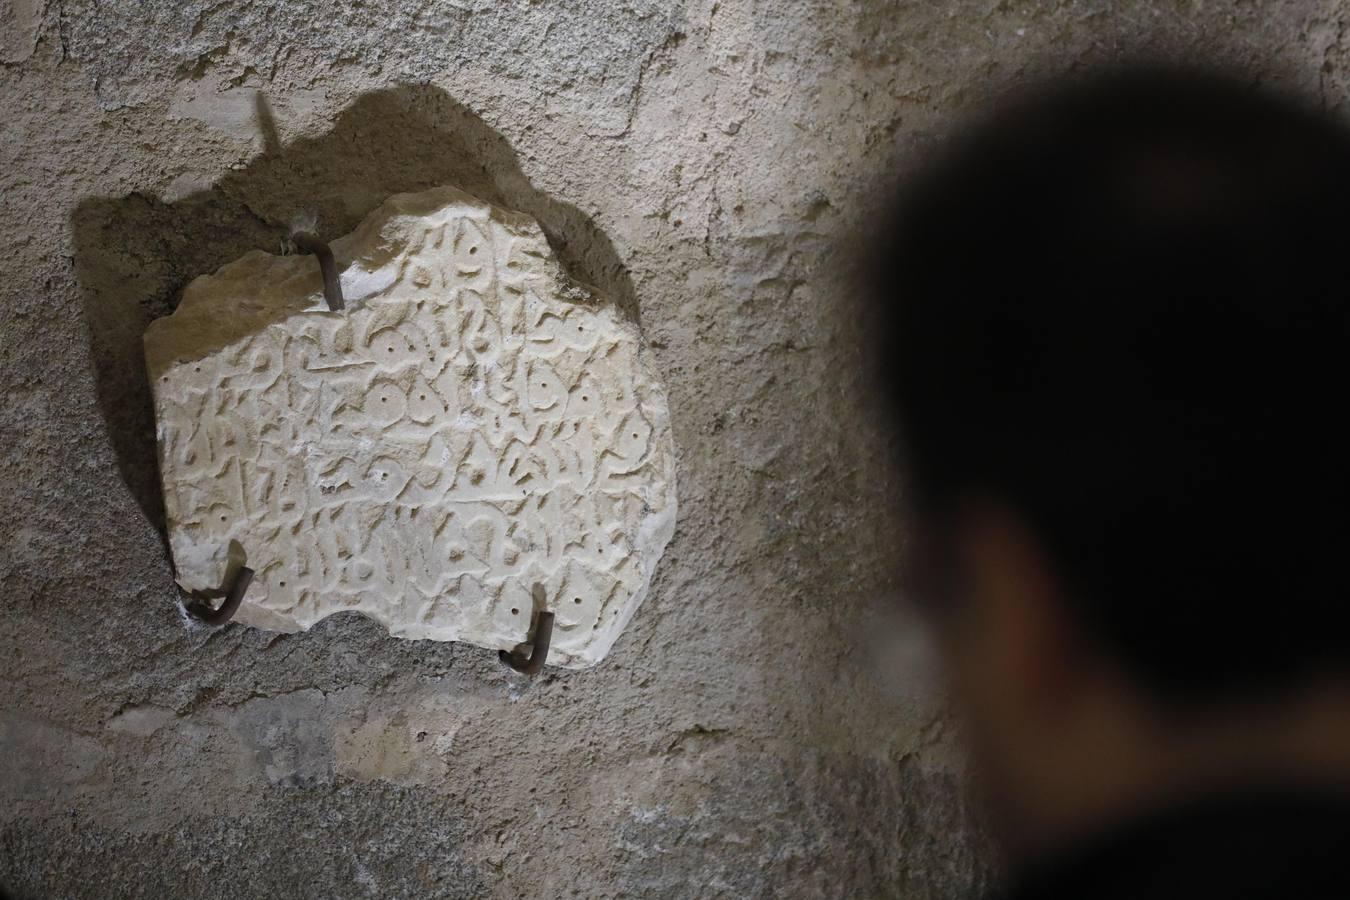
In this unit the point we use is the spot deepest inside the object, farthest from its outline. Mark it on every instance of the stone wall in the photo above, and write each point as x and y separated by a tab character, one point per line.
764	727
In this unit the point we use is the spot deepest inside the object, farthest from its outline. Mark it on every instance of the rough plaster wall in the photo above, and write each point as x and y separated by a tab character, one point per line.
701	161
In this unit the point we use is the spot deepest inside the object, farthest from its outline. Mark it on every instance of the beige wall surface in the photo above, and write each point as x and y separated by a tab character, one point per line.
765	727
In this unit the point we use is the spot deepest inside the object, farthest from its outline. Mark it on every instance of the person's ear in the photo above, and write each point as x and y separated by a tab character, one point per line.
1026	631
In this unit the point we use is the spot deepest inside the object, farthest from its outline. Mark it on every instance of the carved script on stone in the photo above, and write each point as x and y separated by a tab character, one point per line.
473	424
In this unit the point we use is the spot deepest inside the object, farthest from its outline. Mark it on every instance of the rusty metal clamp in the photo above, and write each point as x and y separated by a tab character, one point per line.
543	633
203	612
332	285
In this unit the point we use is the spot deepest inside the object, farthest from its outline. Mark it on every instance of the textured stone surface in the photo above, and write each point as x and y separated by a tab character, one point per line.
743	738
19	23
473	423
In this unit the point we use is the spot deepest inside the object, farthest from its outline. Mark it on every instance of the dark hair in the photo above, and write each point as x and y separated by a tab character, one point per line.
1118	307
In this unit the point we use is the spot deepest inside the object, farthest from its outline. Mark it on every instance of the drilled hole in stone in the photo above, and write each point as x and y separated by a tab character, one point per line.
473	250
584	398
281	583
576	600
514	611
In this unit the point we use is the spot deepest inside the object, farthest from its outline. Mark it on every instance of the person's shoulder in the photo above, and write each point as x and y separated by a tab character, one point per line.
1267	844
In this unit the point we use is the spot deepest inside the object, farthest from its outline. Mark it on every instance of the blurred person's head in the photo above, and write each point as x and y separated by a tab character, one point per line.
1114	328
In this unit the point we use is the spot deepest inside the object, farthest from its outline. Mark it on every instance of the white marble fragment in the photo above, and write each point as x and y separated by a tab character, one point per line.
472	424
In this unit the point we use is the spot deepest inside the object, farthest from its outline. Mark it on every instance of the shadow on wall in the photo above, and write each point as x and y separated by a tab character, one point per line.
135	254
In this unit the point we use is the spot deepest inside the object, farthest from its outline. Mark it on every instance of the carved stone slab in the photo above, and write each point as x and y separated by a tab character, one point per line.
472	424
